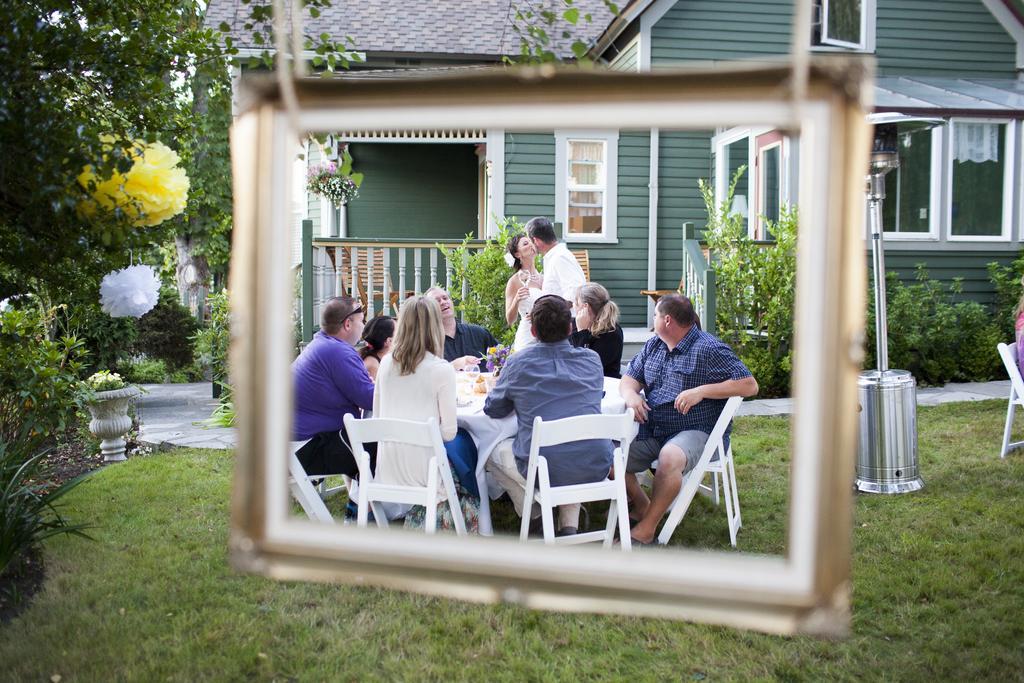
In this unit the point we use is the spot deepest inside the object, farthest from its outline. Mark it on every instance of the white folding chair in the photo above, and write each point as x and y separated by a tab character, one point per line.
724	467
303	490
371	492
616	427
1008	352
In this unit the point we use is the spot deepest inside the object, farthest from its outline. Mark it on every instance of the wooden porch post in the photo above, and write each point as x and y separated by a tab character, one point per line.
307	280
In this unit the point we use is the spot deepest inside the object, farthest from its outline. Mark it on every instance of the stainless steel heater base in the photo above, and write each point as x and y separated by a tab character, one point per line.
887	458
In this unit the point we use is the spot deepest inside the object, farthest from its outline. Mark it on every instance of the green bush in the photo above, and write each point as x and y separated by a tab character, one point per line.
28	511
145	371
39	385
212	343
754	289
934	337
487	274
108	341
1007	283
39	392
166	332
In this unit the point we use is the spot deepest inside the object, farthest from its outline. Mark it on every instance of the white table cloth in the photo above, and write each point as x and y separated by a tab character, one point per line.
488	432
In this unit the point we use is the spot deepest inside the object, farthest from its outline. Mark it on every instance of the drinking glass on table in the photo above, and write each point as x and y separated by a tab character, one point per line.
472	371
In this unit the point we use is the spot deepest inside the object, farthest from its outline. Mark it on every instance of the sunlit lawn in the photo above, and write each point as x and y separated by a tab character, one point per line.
938	584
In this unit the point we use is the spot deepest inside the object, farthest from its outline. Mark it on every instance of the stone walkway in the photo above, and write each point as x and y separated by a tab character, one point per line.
171	414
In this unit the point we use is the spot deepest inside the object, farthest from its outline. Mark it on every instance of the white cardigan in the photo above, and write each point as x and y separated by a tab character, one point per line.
428	392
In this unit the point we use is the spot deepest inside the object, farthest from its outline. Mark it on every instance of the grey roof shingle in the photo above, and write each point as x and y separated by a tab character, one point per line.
423	27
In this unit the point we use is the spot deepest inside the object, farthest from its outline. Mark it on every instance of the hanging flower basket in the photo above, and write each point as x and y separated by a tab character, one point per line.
327	181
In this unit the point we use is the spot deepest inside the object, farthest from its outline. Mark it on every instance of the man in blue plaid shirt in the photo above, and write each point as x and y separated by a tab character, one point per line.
686	375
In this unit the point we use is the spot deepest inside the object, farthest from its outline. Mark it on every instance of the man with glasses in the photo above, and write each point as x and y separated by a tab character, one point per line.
330	381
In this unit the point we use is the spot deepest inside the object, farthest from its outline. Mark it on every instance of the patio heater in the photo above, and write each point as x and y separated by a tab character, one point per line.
887	458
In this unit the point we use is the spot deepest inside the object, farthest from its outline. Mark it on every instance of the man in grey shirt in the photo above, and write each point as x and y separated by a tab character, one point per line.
553	380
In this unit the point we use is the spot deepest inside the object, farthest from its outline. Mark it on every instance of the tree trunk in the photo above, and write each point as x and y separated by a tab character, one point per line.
192	274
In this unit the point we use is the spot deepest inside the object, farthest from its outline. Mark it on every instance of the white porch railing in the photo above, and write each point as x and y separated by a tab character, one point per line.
380	273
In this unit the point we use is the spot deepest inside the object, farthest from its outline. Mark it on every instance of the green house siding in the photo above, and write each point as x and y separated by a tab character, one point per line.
622	267
423	191
530	191
946	266
682	159
529	175
913	37
712	30
942	38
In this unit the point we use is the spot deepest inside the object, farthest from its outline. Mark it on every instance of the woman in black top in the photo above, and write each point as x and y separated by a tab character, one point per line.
597	322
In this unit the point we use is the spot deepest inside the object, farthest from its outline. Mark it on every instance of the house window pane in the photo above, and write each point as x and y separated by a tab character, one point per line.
772	162
586	210
908	188
586	173
586	187
842	21
737	156
979	165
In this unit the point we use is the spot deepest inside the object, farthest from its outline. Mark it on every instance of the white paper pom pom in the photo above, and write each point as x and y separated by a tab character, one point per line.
131	291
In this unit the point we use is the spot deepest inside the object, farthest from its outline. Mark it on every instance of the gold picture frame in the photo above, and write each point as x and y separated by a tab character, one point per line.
804	591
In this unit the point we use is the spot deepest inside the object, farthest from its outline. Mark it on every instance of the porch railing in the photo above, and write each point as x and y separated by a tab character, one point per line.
698	278
379	272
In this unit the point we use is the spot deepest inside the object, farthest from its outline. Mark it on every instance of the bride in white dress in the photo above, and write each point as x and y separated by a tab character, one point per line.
522	289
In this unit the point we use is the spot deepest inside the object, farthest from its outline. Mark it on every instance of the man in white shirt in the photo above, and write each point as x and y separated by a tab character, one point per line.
562	273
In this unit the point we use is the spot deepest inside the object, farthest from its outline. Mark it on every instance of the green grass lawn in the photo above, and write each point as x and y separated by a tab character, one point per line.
938	581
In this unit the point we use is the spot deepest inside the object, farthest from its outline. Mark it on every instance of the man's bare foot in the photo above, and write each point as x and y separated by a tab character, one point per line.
641	534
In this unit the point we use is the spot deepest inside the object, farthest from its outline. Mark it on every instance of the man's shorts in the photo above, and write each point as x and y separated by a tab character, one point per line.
643	452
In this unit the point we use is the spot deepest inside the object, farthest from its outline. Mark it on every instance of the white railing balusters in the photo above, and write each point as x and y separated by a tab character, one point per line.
401	275
433	267
369	251
386	303
417	270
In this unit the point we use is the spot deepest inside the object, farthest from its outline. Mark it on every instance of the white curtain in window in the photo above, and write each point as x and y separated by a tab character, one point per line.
977	142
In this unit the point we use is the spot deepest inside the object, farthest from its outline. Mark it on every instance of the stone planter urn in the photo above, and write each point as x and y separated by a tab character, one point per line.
110	421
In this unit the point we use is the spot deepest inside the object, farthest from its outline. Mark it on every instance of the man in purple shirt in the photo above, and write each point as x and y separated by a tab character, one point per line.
330	381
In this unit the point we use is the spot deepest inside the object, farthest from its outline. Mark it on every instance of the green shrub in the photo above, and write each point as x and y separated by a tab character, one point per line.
1007	283
212	343
937	339
145	371
754	289
28	511
108	341
487	274
39	386
166	332
39	392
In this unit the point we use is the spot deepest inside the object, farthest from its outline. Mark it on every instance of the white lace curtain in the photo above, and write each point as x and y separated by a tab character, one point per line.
977	142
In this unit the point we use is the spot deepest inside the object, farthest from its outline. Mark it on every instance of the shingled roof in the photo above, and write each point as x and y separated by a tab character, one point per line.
469	28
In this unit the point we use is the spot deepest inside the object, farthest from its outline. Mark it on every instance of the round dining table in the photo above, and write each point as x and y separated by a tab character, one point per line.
488	432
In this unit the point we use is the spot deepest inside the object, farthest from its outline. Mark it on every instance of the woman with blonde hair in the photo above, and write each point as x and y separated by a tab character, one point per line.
415	383
597	324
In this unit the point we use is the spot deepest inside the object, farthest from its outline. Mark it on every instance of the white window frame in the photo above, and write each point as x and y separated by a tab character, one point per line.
934	199
868	23
731	136
1009	149
609	232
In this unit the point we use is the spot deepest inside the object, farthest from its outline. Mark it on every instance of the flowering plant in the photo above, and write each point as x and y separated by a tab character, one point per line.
104	380
325	181
496	357
334	182
154	189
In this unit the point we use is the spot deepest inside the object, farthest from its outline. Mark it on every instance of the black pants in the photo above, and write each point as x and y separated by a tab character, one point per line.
327	453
